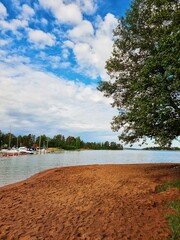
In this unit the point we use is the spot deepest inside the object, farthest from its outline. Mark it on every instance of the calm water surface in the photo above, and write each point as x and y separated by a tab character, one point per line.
14	169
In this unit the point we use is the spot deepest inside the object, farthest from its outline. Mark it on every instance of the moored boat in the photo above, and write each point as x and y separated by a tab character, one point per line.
16	152
25	150
9	152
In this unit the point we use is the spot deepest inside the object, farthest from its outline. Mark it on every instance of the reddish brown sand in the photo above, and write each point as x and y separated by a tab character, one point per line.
90	202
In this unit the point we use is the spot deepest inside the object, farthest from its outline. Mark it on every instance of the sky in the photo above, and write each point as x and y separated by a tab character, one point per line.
52	56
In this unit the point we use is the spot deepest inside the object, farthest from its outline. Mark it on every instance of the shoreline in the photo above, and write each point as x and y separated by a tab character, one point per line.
111	201
43	172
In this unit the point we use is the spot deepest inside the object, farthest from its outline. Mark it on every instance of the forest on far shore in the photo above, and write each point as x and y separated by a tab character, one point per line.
9	140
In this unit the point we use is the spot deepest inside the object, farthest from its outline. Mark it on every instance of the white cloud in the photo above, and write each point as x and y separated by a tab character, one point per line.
41	39
27	11
82	32
54	61
68	44
86	59
16	59
107	25
44	21
65	53
13	25
92	47
65	65
40	101
87	6
3	11
65	13
17	24
17	4
4	42
3	54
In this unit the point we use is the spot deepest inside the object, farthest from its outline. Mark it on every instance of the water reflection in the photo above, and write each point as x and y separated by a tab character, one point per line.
14	169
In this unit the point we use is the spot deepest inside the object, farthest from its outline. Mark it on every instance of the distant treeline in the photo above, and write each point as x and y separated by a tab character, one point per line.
162	148
59	141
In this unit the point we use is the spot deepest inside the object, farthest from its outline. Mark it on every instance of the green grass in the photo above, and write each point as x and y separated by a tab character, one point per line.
175	205
166	186
173	219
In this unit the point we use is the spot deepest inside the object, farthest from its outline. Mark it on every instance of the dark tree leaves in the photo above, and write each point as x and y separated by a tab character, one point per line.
144	72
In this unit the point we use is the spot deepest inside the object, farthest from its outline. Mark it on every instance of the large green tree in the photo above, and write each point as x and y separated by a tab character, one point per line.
144	72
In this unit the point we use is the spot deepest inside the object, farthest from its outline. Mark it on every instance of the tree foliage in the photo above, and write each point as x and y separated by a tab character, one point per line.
144	72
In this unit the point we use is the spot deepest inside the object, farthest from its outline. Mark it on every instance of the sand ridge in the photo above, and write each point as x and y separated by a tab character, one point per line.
89	202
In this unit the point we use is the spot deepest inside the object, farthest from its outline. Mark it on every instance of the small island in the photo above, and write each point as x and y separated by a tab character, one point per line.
162	148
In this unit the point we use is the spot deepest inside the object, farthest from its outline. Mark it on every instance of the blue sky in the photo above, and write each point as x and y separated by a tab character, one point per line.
52	55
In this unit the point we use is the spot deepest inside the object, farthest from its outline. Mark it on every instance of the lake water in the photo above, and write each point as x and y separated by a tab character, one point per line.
14	169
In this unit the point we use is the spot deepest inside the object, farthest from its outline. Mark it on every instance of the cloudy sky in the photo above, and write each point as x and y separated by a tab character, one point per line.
52	55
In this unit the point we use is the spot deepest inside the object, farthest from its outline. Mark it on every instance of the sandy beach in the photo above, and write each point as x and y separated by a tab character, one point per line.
90	202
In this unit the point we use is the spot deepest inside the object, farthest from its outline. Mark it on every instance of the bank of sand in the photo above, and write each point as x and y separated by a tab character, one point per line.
89	202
